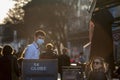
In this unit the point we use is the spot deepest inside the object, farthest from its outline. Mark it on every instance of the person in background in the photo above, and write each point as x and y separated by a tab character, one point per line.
9	69
81	58
49	52
98	69
63	60
32	51
81	62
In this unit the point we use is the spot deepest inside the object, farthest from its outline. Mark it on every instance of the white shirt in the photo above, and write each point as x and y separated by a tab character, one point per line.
32	51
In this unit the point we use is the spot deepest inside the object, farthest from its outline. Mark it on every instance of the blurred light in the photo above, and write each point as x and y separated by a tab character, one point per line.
73	64
84	7
5	5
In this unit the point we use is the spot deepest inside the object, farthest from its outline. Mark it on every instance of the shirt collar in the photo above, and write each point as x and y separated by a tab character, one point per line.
35	44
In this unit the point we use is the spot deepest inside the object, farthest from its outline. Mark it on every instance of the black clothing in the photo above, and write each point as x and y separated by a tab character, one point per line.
49	54
63	60
9	68
118	72
97	75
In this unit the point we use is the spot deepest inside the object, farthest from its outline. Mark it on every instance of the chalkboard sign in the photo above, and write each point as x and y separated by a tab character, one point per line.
40	69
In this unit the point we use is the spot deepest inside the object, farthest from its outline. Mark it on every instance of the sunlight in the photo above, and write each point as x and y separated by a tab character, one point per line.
5	5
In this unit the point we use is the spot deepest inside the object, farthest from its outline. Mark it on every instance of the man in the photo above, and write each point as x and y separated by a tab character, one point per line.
63	60
32	51
9	68
81	58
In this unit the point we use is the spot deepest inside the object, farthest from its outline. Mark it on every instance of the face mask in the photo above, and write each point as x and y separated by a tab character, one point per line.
40	41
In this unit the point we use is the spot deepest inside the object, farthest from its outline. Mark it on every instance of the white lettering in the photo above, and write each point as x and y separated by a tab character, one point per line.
41	68
36	64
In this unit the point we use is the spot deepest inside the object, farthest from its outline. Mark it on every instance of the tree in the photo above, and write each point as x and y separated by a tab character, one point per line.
16	14
56	17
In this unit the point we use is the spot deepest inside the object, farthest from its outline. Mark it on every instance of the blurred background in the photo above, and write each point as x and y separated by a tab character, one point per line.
66	22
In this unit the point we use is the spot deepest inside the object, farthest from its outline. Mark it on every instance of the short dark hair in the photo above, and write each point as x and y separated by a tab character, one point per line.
39	32
7	49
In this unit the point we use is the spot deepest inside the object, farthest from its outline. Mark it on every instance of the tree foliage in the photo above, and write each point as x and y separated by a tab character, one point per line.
16	14
57	17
